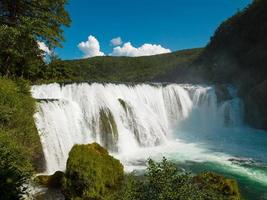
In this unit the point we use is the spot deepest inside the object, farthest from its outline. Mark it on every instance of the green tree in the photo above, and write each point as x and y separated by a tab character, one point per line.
22	24
42	18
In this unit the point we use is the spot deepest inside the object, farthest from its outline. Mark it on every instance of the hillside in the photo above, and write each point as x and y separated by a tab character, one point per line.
107	68
237	54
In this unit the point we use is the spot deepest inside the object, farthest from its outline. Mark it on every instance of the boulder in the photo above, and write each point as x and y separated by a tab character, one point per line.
92	173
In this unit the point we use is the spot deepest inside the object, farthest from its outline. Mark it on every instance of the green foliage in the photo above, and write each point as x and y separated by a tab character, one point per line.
146	68
92	173
43	19
22	24
237	51
17	108
19	53
15	168
164	181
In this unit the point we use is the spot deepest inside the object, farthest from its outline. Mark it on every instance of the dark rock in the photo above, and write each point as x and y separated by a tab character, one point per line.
255	106
222	93
53	181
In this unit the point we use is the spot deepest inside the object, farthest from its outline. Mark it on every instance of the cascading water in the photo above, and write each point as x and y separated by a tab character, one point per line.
124	118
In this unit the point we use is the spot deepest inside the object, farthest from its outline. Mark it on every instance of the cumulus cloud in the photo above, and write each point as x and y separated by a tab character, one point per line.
145	50
116	41
44	48
91	47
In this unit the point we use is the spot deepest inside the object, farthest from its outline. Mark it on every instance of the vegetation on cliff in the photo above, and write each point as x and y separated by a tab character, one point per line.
237	54
20	147
17	108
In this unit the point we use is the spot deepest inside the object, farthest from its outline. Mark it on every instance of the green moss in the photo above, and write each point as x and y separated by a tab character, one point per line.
108	129
219	184
91	173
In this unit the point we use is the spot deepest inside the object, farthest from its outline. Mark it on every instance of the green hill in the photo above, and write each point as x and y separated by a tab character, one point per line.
126	69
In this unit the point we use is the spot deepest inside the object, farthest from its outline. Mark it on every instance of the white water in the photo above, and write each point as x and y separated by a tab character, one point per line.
145	116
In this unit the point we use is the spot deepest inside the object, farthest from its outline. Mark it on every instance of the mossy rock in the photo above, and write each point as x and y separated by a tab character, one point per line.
219	184
92	173
53	181
108	129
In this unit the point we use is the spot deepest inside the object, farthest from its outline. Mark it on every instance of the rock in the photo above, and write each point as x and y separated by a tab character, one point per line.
91	173
53	181
216	183
222	93
108	129
255	106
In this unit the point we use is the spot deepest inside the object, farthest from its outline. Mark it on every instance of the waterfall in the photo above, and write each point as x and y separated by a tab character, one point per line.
124	118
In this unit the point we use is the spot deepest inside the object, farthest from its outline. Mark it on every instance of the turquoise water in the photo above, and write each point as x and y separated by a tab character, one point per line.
247	152
239	153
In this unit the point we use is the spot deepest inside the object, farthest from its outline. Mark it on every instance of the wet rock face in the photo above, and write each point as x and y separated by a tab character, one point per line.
255	106
222	93
109	131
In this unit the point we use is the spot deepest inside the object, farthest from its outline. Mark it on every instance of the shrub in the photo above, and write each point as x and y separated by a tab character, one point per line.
15	168
164	181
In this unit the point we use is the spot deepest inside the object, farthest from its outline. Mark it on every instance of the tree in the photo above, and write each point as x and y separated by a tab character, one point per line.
42	18
19	53
24	23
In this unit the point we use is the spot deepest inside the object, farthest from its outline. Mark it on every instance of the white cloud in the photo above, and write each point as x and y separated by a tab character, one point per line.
44	48
116	41
91	47
145	50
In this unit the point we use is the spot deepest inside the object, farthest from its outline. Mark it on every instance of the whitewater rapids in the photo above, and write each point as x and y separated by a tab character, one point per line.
124	118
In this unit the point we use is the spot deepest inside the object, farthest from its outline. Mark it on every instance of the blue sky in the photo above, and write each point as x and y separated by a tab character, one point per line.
173	24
